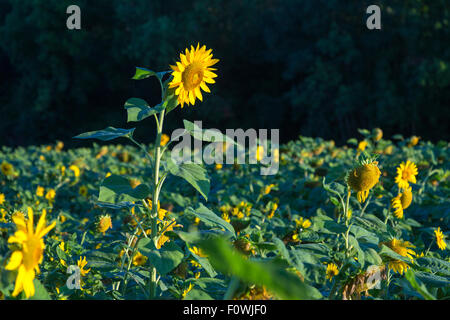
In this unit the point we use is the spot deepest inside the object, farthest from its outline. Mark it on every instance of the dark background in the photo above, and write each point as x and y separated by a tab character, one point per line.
306	67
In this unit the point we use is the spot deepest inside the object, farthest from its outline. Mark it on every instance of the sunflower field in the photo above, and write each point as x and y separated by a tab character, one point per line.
365	220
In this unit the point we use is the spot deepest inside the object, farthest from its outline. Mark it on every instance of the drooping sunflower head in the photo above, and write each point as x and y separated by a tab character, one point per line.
104	223
406	173
398	266
406	197
363	178
401	202
397	205
402	247
377	134
413	141
192	73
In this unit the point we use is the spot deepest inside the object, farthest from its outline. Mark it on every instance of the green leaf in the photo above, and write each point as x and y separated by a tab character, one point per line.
194	174
107	134
40	291
435	265
116	189
210	218
101	260
204	262
388	252
207	135
138	109
170	102
167	258
433	280
285	284
142	73
419	287
197	294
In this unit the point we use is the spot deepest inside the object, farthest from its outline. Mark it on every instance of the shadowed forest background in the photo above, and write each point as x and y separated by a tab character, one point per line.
306	67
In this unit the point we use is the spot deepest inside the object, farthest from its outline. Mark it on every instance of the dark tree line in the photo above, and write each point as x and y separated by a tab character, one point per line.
306	67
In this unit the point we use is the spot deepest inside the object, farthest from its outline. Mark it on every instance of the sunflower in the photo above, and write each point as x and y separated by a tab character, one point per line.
302	223
7	168
440	239
139	259
406	173
377	134
332	270
402	248
81	263
192	73
104	223
362	145
40	191
164	139
401	202
83	190
50	195
197	252
27	259
76	170
413	141
363	178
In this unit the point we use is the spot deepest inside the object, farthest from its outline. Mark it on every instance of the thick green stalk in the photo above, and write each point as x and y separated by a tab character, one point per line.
154	213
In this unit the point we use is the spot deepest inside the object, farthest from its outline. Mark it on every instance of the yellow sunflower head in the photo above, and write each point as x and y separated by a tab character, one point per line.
363	178
7	168
402	247
27	259
440	239
82	262
104	223
192	73
139	259
362	145
413	141
406	173
332	270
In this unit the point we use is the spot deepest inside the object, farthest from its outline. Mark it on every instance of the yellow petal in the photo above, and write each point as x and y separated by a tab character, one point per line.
198	93
14	261
46	230
204	87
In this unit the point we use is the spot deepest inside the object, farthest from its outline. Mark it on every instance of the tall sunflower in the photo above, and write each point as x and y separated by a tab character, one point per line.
192	73
27	259
406	173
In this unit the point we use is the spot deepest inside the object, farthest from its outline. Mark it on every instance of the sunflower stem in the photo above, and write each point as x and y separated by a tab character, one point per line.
156	192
